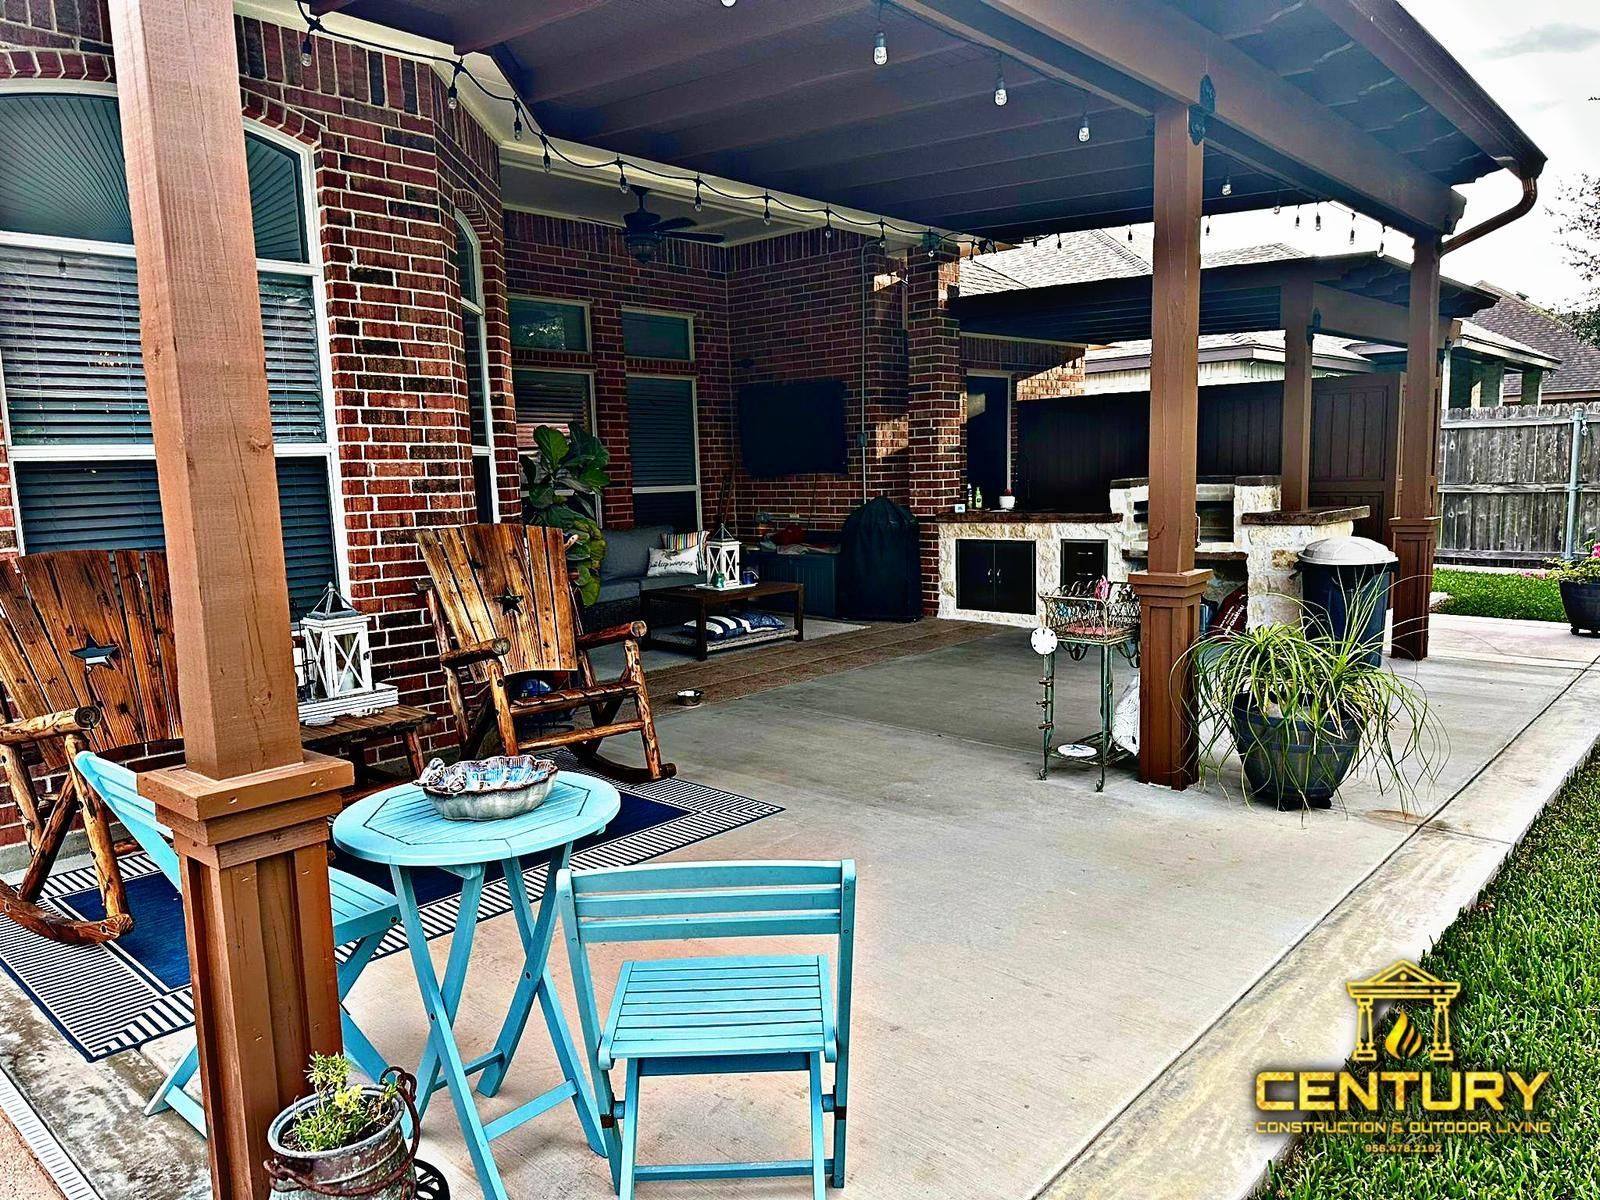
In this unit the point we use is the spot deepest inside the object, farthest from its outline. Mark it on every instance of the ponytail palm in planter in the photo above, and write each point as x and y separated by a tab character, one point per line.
1306	709
564	478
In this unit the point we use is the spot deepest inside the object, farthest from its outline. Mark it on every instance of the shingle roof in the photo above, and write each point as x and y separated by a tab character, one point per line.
1091	254
1515	318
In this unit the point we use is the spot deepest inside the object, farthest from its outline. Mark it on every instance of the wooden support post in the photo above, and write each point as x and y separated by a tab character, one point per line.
1169	591
1295	313
1416	522
248	811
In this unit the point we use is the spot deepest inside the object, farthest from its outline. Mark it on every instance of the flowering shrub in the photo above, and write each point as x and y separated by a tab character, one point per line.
1577	570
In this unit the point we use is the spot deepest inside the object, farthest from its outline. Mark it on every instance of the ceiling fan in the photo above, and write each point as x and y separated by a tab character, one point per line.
644	231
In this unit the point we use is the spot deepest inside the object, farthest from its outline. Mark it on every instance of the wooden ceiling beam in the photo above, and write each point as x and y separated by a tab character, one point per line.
482	26
1162	53
678	42
1395	38
751	84
885	95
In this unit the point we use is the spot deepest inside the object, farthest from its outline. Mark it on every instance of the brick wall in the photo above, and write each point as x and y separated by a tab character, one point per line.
391	166
935	403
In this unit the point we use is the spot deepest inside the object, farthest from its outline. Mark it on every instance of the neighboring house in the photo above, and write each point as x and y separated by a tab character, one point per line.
1576	378
1481	358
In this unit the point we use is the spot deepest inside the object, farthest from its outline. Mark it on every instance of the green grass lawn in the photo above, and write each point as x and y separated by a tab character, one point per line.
1491	594
1528	959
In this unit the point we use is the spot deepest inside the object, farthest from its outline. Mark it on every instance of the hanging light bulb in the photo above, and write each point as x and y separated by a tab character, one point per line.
1000	96
766	209
1383	236
1277	207
883	237
698	204
516	124
1208	226
544	146
1318	225
1352	227
880	44
305	50
1297	216
1083	121
827	229
452	97
1130	235
1058	239
622	178
1227	184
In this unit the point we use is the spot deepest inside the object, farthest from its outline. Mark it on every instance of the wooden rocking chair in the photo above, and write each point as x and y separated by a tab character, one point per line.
86	662
503	611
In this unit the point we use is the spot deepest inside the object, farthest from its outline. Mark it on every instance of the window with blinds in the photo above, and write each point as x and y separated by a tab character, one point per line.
556	398
70	358
662	447
469	275
657	335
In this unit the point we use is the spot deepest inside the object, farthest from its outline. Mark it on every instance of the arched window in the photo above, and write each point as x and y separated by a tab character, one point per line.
71	368
469	270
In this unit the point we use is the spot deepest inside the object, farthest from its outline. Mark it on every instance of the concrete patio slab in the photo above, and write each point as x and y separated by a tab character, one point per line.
1033	958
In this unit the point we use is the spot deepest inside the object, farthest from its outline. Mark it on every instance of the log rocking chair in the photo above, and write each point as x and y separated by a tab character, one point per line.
508	630
86	663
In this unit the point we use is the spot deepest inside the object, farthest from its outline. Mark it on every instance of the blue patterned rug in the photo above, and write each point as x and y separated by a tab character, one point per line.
118	995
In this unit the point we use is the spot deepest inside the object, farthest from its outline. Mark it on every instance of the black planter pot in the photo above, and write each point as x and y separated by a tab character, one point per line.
1287	763
1582	602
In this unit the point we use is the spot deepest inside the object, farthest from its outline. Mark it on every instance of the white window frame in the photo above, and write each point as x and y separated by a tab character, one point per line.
476	306
569	302
312	269
686	317
694	417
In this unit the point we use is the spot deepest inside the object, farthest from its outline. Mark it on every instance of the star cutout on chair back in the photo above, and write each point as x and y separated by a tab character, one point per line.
92	654
509	602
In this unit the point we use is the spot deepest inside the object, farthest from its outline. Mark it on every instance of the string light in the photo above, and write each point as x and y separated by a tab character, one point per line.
1352	227
622	177
516	124
1297	216
1058	239
1000	96
698	204
880	45
1277	206
1318	225
1383	236
1208	226
766	208
827	229
1130	235
1227	182
883	237
306	47
1083	121
452	98
544	144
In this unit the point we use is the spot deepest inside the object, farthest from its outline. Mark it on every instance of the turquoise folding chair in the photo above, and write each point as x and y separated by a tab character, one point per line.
362	913
716	1015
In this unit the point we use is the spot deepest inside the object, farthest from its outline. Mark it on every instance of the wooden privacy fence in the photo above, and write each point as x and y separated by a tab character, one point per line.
1508	479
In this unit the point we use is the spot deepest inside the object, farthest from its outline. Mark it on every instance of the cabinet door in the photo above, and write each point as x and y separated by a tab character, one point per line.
1014	578
974	574
1082	562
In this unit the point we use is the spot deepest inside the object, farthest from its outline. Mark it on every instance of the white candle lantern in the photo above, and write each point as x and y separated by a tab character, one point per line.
722	559
337	646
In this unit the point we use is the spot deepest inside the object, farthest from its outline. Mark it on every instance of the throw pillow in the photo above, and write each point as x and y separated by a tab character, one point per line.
681	541
674	562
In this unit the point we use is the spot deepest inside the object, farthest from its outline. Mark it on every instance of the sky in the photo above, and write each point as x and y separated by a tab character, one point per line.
1540	60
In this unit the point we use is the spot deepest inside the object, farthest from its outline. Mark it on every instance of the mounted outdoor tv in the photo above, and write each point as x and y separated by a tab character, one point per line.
795	428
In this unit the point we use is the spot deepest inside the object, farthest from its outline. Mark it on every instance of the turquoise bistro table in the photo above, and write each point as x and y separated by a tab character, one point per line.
400	828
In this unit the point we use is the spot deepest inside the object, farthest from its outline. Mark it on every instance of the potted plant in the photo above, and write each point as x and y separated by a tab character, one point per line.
1579	580
1008	501
345	1139
1306	709
564	477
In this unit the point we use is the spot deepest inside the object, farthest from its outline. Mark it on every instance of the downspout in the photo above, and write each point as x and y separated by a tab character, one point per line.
1530	196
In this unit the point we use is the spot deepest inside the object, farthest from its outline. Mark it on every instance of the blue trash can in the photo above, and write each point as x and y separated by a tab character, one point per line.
1345	583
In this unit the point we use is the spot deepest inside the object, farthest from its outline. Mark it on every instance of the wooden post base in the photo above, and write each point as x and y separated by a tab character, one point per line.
254	851
1169	614
1415	539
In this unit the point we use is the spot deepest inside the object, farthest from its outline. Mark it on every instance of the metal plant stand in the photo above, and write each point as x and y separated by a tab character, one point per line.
1103	618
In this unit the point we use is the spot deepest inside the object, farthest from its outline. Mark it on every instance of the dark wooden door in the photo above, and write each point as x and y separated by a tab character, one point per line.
974	574
1355	446
1014	577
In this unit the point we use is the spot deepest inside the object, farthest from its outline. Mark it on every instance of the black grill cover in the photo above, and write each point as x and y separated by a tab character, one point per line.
880	563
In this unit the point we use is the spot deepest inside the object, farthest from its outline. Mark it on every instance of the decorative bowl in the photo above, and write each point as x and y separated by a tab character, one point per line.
690	697
488	789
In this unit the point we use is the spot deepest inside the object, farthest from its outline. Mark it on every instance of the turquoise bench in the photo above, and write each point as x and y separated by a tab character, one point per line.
362	913
717	1014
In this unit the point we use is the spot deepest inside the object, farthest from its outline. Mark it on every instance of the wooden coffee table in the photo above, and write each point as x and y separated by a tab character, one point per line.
706	602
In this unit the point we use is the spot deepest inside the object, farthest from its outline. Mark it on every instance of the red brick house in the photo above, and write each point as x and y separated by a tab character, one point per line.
418	328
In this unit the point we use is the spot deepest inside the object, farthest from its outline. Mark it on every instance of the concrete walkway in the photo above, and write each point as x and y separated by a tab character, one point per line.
1055	989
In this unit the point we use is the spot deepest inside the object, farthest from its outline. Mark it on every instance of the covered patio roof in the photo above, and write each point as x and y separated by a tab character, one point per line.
1349	100
1241	298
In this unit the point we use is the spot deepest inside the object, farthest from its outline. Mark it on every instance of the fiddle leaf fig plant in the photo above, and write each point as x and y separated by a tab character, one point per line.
563	479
